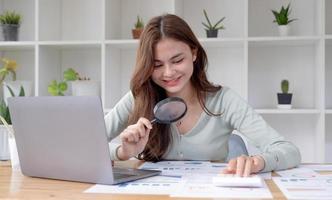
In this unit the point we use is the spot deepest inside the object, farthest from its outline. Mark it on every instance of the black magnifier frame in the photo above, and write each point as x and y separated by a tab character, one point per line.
164	102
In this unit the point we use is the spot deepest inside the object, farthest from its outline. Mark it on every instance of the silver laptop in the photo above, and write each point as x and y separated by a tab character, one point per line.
65	138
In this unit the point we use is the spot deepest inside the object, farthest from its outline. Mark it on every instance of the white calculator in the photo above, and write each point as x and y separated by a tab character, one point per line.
232	180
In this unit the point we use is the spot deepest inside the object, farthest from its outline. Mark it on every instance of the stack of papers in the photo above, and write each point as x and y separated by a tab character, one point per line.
305	183
184	179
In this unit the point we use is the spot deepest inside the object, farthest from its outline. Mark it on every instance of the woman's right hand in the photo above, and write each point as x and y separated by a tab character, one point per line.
134	138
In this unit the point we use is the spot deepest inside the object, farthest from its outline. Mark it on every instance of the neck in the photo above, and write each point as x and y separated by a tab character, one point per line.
188	94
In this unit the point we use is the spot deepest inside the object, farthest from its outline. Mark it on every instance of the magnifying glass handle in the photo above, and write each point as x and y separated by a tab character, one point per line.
153	121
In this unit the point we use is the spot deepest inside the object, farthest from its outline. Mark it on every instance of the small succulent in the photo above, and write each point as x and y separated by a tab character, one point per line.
209	25
284	86
139	23
10	17
281	17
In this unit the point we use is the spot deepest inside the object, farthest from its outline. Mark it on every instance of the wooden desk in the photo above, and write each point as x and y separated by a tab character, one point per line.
13	185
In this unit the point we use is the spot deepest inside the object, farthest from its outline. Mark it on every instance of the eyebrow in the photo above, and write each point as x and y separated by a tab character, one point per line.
175	56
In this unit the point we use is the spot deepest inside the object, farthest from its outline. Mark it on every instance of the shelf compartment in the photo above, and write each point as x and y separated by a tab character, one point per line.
25	59
293	127
121	15
192	12
26	9
119	68
225	67
260	17
54	60
268	65
70	20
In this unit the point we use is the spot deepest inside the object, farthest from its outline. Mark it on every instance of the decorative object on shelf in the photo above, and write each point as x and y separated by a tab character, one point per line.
285	98
138	28
281	18
81	86
10	89
212	30
6	131
10	67
10	22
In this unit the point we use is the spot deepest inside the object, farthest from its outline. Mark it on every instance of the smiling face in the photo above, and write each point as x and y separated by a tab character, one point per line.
173	66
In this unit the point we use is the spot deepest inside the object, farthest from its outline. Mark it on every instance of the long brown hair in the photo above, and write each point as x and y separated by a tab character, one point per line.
146	93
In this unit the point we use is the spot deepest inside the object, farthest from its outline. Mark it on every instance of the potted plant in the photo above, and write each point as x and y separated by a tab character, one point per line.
285	98
138	28
212	30
282	19
80	86
10	22
10	67
7	141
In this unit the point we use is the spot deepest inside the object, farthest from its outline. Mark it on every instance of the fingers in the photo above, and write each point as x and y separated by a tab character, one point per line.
259	163
146	122
135	132
244	165
231	168
248	166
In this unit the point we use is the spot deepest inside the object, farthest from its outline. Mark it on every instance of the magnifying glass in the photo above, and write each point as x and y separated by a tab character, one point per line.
169	110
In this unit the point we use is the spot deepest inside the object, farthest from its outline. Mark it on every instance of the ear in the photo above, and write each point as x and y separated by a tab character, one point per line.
194	53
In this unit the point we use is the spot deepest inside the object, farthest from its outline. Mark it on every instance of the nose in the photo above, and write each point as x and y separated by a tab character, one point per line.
168	71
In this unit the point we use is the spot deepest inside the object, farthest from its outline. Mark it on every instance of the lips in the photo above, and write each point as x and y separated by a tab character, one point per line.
172	82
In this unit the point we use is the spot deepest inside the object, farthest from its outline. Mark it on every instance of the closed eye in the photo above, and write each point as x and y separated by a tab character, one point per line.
178	61
156	66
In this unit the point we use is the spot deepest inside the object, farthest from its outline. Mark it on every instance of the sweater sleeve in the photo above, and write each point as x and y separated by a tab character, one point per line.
275	150
116	121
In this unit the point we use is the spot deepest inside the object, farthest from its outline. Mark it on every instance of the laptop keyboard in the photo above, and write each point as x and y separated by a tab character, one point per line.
121	175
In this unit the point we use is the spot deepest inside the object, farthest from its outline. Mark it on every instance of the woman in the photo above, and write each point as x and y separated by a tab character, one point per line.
171	62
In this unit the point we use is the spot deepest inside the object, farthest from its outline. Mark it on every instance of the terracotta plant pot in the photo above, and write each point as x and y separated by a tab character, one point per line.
137	33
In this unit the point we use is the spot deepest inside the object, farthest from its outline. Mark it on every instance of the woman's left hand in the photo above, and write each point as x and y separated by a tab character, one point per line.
245	165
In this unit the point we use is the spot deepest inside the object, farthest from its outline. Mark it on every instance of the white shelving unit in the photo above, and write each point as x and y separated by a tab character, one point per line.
94	37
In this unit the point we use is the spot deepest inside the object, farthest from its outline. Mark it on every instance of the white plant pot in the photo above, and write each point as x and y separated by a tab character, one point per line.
16	86
285	106
4	146
283	30
85	88
9	149
14	159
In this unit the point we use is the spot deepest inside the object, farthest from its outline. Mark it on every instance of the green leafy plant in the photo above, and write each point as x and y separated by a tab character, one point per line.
284	86
4	110
8	67
58	88
10	17
209	25
139	23
281	17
